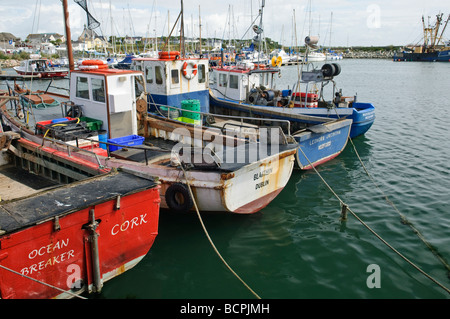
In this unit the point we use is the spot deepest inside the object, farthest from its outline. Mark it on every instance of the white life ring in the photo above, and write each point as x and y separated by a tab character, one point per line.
194	70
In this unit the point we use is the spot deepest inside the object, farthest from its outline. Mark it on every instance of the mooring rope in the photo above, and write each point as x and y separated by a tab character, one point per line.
403	218
372	231
209	238
43	283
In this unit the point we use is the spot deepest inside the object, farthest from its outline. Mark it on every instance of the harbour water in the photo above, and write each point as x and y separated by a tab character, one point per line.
297	247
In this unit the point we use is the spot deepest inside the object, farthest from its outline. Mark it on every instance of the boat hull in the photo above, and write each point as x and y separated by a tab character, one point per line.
49	239
437	56
49	74
318	148
361	114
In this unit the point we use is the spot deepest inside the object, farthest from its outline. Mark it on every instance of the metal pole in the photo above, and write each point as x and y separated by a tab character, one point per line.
68	36
93	239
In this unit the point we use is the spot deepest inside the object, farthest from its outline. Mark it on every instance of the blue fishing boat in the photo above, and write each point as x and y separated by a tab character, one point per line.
250	84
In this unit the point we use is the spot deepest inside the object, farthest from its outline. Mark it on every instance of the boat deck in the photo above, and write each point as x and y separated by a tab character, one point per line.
24	212
15	183
230	159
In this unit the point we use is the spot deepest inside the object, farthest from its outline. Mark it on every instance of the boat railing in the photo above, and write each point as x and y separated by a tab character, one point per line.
210	118
71	148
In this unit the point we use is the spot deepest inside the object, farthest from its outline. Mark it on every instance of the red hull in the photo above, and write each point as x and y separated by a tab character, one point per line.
46	74
62	258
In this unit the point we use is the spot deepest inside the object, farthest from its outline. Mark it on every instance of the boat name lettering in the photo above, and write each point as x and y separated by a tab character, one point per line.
322	146
262	173
332	134
134	222
48	248
52	261
262	184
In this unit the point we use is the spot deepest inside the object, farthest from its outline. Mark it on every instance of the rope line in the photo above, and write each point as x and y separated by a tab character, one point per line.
209	238
373	232
403	218
43	283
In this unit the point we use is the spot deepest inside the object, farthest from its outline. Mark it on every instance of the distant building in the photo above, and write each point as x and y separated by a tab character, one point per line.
8	41
36	39
92	40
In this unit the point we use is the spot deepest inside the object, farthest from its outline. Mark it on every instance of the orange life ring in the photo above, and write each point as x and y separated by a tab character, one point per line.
194	70
93	62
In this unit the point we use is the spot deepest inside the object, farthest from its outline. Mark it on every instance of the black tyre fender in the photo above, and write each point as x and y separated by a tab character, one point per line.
337	69
178	198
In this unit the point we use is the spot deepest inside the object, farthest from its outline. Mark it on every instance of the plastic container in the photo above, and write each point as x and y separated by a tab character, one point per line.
188	120
103	137
92	124
130	140
190	105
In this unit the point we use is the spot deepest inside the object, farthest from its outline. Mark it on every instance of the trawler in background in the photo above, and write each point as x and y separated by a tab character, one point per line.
433	49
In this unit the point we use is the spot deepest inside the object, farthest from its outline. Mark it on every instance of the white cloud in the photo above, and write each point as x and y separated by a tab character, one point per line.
399	20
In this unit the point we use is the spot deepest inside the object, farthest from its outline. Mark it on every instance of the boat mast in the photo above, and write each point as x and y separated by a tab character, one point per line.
200	30
68	36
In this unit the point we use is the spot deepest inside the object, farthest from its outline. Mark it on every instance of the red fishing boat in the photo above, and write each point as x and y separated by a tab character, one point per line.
61	241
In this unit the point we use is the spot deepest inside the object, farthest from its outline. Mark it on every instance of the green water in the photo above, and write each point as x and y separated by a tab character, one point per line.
297	247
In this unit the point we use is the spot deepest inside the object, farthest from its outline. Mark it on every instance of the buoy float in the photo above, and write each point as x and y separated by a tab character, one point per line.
194	70
169	54
93	65
306	100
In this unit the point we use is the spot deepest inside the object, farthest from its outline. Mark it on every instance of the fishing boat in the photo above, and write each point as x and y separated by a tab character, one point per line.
68	226
249	87
433	48
105	109
320	139
41	67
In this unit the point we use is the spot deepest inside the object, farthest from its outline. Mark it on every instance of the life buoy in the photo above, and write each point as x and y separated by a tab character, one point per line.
194	70
93	62
169	54
93	65
178	198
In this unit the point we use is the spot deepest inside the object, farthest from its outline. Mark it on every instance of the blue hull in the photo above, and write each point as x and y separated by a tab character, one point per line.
437	56
175	99
318	148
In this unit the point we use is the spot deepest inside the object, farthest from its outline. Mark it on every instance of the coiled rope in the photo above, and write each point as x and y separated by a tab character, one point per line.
372	231
209	238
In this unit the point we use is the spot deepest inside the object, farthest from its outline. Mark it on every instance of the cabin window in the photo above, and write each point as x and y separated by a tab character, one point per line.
158	74
222	80
82	89
201	73
234	81
149	74
175	76
98	90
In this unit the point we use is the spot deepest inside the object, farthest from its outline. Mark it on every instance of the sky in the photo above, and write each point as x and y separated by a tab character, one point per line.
337	22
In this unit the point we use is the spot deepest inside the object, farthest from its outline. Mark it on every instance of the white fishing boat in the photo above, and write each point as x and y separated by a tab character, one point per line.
41	67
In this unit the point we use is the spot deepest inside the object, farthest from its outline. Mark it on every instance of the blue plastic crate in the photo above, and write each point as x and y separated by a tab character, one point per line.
130	140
